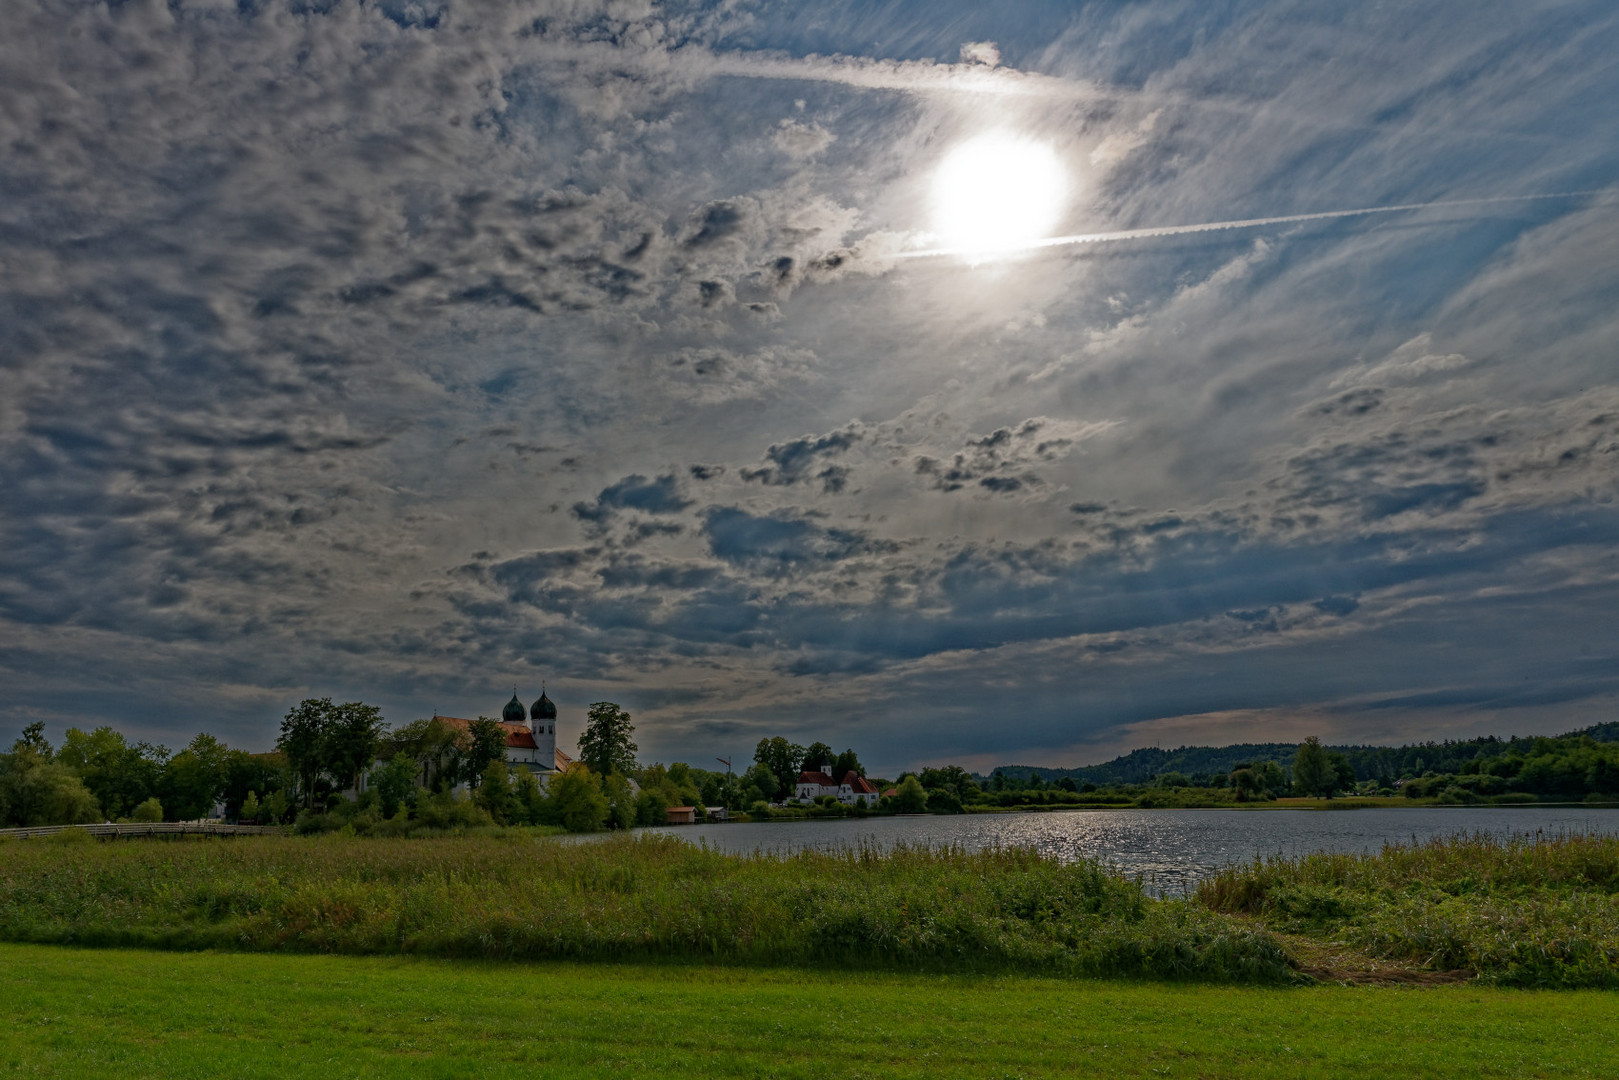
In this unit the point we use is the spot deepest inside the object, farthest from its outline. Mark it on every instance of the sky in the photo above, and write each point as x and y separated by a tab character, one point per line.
410	351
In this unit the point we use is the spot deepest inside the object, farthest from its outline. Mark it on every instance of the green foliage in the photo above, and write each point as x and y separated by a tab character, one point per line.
149	812
621	801
605	745
505	895
910	797
350	741
195	778
1312	770
325	741
119	774
483	746
817	755
395	783
495	793
780	760
847	762
577	799
250	807
36	789
1522	912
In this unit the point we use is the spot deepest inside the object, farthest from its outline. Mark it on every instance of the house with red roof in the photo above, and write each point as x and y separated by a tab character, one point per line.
850	790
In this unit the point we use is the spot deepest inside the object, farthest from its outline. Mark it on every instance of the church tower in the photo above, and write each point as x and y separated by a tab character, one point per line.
542	722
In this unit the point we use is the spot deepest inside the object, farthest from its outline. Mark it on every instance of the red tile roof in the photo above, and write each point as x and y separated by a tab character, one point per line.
518	736
860	785
817	777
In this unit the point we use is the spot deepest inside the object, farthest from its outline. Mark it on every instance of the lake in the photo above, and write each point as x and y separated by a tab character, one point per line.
1170	849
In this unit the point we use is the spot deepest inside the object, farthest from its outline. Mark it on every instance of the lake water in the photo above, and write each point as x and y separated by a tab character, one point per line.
1170	849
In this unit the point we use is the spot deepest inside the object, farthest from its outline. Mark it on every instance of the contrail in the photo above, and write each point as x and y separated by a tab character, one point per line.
1246	223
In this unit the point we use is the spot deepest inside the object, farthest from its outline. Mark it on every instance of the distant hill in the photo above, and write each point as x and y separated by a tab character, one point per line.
1385	763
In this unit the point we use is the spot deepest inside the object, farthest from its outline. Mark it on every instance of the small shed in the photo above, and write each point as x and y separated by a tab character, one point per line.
718	813
681	815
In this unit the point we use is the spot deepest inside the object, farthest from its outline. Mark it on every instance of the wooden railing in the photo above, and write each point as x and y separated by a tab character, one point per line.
157	828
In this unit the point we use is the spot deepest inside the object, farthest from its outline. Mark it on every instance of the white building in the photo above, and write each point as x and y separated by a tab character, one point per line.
848	791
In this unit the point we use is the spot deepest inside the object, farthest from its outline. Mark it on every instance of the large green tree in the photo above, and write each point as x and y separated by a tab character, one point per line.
784	760
605	744
195	778
121	775
353	732
35	789
485	745
817	755
303	740
1313	773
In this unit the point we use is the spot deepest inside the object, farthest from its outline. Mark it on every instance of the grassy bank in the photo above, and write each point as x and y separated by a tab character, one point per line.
137	1014
515	896
1526	913
1519	912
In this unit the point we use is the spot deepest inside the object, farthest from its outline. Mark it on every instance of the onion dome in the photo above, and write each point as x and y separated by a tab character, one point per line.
543	709
513	712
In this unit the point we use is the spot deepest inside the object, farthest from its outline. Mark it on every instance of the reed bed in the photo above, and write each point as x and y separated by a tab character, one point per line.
512	895
1528	911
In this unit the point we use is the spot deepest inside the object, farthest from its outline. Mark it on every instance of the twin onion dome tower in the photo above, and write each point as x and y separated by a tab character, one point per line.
531	734
543	710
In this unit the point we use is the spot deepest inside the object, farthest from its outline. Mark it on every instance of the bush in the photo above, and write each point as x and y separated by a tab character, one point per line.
148	812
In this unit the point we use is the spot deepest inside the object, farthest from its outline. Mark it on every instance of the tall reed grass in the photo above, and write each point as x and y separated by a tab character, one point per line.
1528	911
512	895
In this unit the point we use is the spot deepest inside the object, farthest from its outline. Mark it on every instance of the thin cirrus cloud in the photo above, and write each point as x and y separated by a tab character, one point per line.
397	353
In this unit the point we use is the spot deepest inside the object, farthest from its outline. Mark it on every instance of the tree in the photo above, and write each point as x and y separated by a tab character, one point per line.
526	797
485	744
848	762
303	741
818	756
605	745
119	774
578	804
1343	773
395	783
349	741
195	777
784	760
910	797
758	783
35	790
148	813
433	745
1313	773
495	791
250	807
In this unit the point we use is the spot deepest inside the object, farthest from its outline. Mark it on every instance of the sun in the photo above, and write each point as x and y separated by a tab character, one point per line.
997	193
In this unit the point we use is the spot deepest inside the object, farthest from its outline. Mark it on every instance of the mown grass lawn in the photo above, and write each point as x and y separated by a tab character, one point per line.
130	1013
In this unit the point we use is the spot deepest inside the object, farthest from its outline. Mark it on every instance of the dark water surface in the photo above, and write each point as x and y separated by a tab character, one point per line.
1171	849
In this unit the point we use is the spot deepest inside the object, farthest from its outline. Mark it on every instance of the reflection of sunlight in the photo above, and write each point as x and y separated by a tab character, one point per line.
997	193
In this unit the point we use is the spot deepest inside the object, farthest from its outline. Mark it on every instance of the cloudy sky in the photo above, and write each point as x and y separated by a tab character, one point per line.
408	350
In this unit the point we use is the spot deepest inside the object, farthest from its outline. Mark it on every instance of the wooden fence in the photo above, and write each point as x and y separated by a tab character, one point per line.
159	828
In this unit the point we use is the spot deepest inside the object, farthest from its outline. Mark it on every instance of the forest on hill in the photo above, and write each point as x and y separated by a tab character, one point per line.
1381	764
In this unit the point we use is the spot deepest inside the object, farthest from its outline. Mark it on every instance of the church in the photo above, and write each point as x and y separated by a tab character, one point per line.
531	736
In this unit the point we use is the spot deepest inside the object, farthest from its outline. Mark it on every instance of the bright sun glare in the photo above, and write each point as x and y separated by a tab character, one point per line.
997	193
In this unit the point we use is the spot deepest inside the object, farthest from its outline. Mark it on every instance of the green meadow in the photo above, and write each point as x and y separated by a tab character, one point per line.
137	1013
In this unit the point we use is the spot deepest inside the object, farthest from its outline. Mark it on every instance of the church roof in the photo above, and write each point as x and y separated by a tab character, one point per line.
518	736
816	776
544	709
514	713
